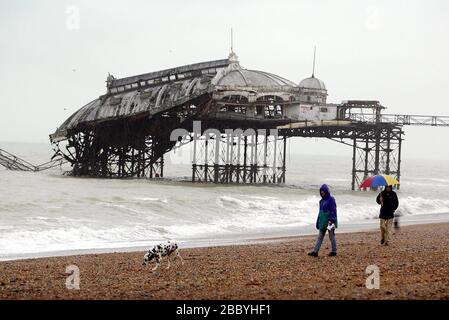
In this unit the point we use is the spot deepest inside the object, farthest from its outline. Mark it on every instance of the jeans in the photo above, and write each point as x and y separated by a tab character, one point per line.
320	239
385	229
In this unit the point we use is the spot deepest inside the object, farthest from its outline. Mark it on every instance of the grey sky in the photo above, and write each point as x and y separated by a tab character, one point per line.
393	51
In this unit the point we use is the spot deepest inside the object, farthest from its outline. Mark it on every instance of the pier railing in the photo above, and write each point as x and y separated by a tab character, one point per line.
400	119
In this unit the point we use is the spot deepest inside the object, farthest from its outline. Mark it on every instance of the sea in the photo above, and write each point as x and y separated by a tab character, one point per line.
50	213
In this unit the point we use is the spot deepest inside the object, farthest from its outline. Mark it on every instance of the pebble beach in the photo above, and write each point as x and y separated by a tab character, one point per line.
414	266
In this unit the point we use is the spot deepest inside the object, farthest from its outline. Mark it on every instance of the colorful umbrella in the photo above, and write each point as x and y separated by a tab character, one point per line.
379	180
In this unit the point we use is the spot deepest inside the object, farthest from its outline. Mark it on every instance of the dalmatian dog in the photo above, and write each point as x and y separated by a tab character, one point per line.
162	250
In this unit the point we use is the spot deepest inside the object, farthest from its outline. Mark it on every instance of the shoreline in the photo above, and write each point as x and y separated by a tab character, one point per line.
360	226
413	266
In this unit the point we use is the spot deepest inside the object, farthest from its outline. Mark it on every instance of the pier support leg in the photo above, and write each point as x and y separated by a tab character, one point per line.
234	160
284	155
376	152
354	161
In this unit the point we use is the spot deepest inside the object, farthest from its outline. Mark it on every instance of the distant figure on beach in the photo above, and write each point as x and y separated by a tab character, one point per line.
396	221
326	221
389	202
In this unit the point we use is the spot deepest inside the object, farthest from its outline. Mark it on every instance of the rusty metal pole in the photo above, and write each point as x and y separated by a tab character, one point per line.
275	141
195	138
162	166
265	154
132	161
217	159
239	145
354	160
367	151
377	152
283	158
245	155
152	157
254	162
205	160
398	174
377	134
388	151
229	157
139	163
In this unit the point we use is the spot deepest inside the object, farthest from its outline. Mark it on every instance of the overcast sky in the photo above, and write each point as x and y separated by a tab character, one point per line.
55	55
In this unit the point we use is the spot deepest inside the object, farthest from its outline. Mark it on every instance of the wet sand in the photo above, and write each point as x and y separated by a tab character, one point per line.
414	266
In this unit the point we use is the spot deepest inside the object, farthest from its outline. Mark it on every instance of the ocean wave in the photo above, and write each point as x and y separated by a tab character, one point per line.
150	199
418	205
77	238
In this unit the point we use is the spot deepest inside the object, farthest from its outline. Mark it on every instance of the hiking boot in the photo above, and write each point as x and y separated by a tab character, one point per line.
386	243
332	254
382	241
313	254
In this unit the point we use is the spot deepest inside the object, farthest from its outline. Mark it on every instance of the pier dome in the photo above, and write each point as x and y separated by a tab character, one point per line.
237	77
313	91
253	78
312	83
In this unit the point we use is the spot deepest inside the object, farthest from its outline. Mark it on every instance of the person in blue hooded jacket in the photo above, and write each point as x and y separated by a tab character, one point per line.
326	221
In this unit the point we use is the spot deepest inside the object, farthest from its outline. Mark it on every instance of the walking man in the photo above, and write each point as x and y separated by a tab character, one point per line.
389	202
327	221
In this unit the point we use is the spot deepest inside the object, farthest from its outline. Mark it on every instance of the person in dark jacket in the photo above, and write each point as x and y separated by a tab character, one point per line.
389	202
326	221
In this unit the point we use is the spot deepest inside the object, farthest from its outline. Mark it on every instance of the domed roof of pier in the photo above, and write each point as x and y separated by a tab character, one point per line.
253	78
236	76
312	83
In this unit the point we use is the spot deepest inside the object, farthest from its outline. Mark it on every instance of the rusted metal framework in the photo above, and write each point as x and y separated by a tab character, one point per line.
239	157
91	157
14	163
130	147
376	145
377	151
376	148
